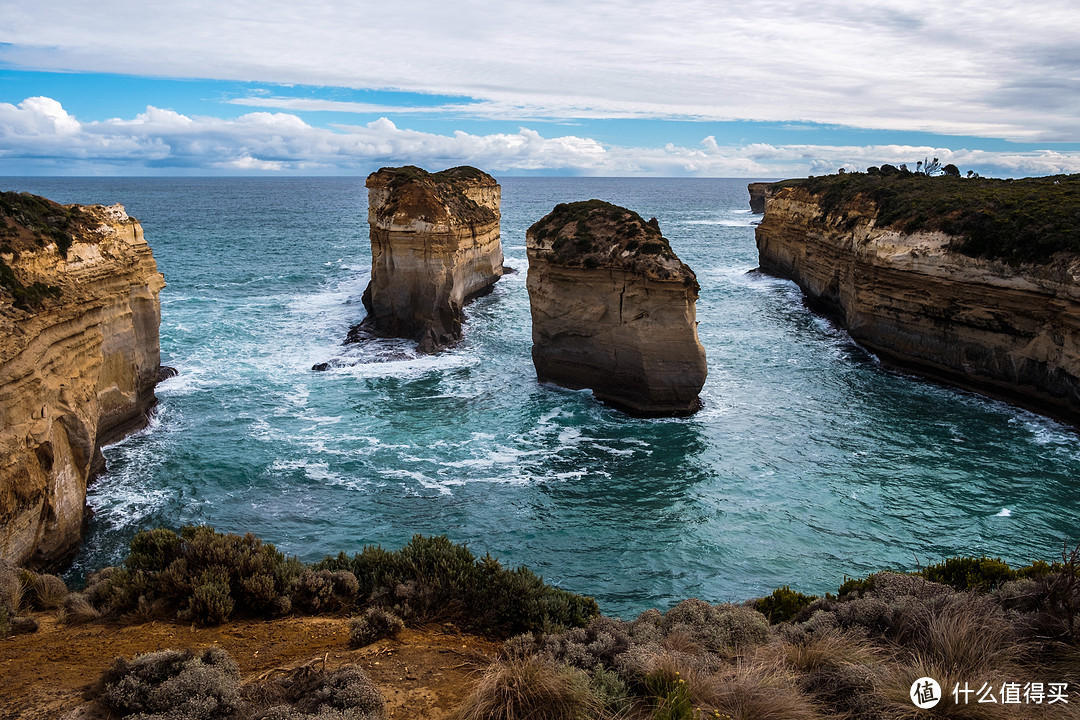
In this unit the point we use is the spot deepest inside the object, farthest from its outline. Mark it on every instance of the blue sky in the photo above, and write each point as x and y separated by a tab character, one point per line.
614	87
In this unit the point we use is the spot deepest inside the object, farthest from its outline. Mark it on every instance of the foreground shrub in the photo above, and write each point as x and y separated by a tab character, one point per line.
529	688
199	575
434	579
372	625
783	604
173	684
343	694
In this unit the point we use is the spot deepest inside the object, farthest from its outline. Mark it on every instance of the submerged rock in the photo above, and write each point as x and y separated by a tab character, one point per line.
79	359
613	310
434	246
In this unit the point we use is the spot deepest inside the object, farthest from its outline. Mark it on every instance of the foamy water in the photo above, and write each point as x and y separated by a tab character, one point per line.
808	461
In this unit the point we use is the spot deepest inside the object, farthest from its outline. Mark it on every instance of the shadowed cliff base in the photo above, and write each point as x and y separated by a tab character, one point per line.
935	276
79	359
435	246
613	310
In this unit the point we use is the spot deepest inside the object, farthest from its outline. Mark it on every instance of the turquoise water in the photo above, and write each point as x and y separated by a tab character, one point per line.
807	463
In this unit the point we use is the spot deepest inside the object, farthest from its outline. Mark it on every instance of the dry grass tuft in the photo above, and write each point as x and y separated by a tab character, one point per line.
50	592
754	690
529	689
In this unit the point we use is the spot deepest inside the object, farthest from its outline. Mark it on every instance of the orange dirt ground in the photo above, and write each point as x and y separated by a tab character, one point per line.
424	672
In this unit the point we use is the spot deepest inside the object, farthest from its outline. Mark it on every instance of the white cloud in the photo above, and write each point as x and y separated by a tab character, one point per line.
992	68
40	128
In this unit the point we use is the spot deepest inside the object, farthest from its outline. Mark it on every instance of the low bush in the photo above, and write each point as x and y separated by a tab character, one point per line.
199	575
372	625
432	578
173	685
783	604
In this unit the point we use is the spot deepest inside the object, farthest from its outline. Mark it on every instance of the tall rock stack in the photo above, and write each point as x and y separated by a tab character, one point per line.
613	310
434	246
79	358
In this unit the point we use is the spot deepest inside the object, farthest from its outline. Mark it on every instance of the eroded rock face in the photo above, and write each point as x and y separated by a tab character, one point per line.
1009	330
79	359
434	246
759	193
613	310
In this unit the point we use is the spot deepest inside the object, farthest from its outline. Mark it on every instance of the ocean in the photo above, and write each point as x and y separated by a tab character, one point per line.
808	463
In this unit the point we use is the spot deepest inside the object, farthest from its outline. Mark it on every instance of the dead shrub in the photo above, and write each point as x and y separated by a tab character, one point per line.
78	610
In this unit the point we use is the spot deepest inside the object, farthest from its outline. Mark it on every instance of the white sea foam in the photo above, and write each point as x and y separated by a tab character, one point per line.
1005	512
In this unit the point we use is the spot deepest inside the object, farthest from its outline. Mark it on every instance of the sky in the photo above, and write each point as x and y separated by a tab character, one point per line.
769	89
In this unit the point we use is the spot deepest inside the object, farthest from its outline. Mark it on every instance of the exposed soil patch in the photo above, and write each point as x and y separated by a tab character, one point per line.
424	672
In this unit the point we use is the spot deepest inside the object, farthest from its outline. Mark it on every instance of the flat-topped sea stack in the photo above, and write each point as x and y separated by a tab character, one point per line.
79	358
613	310
759	193
973	281
434	246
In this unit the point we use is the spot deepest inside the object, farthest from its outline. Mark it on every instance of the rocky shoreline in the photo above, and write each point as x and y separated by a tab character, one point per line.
1002	327
79	359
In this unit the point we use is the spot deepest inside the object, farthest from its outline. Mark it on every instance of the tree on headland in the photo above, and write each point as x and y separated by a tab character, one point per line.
928	167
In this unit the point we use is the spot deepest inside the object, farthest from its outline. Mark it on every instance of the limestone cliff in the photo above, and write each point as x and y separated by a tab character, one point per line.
79	358
434	246
759	193
1006	328
613	309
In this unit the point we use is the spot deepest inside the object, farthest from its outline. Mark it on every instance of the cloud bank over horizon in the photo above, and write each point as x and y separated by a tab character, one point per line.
40	131
963	74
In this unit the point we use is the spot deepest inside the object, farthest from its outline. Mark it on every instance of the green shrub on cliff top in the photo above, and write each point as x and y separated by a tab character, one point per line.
1026	220
200	575
208	577
432	578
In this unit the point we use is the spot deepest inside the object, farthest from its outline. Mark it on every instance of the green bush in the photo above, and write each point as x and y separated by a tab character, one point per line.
783	604
970	573
432	578
201	575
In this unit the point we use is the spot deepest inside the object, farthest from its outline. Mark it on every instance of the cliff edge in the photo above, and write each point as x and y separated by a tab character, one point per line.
79	359
613	310
970	281
435	245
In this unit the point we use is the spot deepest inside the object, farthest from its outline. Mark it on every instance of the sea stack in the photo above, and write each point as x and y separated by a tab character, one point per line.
759	193
613	310
434	246
79	358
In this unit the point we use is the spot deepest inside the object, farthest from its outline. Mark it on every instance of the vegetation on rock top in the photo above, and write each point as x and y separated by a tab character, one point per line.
1027	220
419	192
595	233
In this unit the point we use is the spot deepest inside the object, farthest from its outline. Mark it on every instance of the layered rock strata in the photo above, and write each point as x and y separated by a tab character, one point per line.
759	193
613	310
435	245
1010	330
79	358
